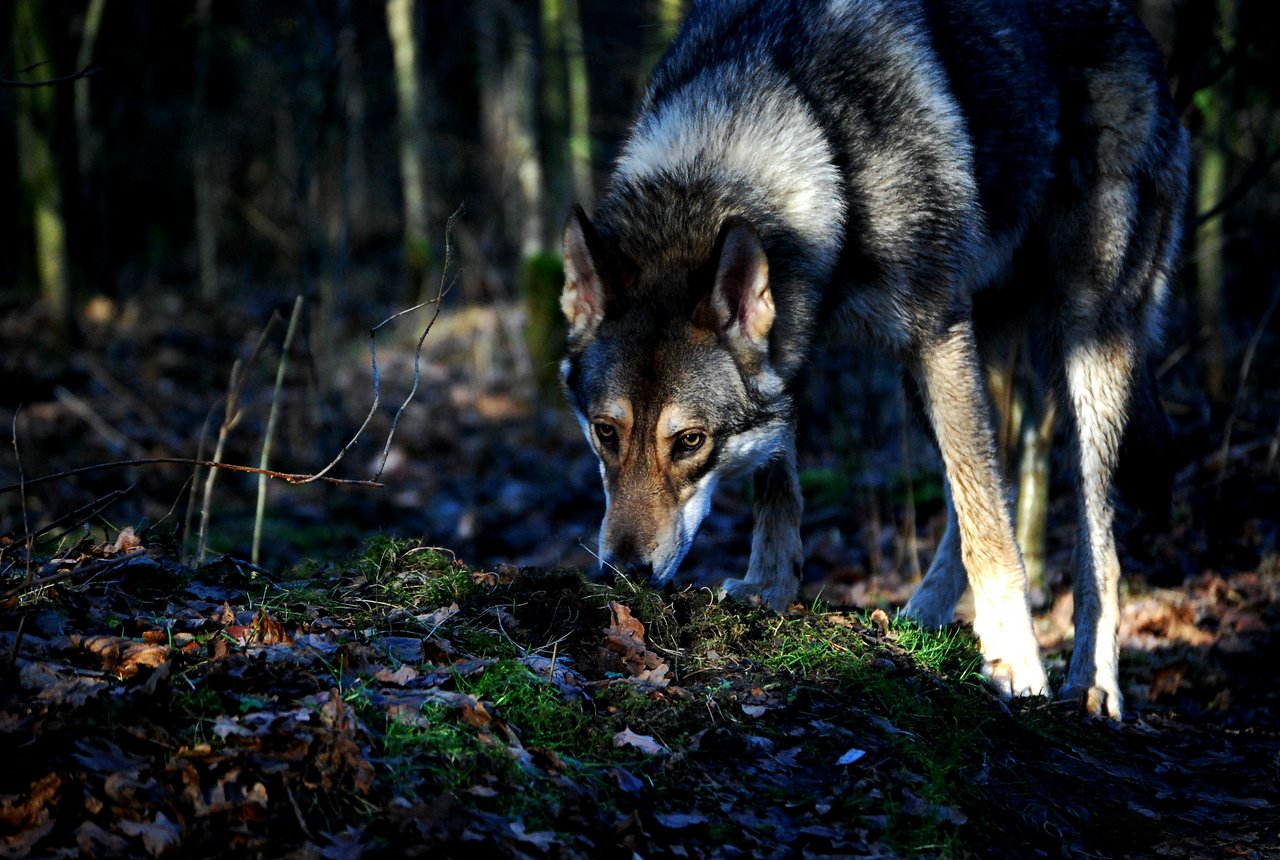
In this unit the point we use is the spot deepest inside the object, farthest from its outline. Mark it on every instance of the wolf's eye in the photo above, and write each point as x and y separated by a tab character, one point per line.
607	434
689	442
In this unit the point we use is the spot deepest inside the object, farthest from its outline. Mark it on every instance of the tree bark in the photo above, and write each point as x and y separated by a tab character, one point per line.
206	190
39	182
401	15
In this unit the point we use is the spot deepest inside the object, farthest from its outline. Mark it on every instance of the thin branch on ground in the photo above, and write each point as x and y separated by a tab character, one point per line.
91	568
442	290
79	516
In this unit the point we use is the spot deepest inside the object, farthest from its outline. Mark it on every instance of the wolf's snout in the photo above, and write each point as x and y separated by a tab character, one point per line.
624	557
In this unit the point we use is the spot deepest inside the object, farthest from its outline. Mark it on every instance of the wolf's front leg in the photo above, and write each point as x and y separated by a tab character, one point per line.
777	557
949	374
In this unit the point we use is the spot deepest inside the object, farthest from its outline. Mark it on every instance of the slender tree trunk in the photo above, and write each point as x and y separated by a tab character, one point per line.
558	195
579	104
1024	435
1033	490
206	189
1215	107
355	171
401	15
508	95
39	182
86	136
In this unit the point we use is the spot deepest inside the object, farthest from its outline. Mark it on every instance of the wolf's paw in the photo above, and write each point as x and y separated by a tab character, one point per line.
1016	678
1011	657
776	597
1095	700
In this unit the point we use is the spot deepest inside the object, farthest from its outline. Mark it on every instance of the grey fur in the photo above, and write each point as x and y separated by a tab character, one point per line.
931	171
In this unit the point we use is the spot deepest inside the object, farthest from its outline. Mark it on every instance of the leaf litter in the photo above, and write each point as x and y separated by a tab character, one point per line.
402	704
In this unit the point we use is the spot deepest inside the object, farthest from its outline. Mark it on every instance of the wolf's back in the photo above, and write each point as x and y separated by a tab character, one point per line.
881	147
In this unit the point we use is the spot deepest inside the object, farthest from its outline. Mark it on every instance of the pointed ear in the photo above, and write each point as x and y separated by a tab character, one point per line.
583	298
740	305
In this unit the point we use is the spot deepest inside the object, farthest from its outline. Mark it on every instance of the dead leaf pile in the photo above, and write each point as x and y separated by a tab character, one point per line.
155	711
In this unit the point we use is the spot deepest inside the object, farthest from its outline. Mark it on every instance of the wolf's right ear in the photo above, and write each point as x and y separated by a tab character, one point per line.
740	305
583	298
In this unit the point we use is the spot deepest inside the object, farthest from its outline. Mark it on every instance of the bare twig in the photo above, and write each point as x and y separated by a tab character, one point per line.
117	441
79	515
22	490
92	568
1256	172
603	563
441	292
30	542
87	71
230	418
287	477
192	483
272	418
1245	364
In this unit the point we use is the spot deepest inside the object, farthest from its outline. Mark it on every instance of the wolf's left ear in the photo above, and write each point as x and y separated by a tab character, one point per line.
583	298
740	305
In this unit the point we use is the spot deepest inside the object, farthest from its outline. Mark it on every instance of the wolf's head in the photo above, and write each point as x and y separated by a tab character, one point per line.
668	370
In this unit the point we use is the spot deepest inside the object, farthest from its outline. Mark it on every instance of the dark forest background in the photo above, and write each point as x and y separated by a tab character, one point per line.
177	172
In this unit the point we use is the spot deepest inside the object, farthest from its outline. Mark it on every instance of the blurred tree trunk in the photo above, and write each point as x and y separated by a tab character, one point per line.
39	183
508	84
1026	418
1214	104
206	191
355	170
555	121
401	15
579	104
509	90
1033	489
87	140
566	109
667	15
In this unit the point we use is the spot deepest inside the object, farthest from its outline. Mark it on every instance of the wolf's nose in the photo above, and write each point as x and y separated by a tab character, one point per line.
641	571
625	560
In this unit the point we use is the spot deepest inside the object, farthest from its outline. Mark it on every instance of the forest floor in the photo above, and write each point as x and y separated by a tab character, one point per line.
468	690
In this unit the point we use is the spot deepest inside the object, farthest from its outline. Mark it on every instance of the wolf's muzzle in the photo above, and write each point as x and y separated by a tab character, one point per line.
637	570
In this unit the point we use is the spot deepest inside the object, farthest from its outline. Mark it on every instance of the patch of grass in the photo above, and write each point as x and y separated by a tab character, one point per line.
423	576
951	652
439	754
533	707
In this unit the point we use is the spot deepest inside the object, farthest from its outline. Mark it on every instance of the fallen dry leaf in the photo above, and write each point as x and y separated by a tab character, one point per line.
95	841
644	743
158	836
624	651
127	540
25	810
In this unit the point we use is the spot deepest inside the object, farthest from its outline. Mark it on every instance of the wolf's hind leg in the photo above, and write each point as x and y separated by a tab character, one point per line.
777	556
949	374
934	602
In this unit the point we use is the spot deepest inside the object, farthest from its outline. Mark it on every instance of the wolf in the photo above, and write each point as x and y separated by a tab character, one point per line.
923	175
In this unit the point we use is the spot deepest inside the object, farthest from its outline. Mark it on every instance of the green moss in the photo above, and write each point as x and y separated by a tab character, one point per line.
533	707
